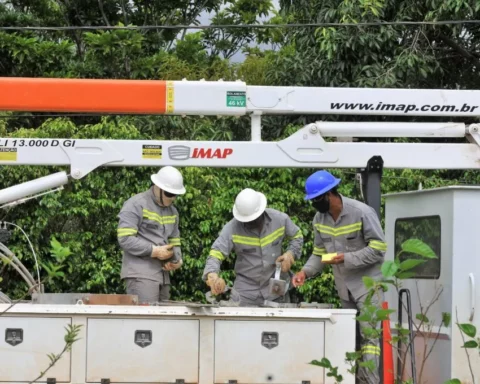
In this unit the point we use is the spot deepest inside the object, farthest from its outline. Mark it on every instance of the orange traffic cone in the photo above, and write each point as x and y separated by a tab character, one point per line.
388	373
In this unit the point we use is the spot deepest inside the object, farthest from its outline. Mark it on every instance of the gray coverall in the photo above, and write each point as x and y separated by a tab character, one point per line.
255	256
357	234
143	224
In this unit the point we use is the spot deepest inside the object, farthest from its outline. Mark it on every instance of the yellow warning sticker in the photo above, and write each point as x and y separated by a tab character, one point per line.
152	151
8	154
170	97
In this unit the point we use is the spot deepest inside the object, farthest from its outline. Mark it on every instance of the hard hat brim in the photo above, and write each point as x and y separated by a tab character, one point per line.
162	186
322	191
246	219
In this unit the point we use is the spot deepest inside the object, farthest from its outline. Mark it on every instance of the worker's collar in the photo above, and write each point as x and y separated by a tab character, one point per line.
266	220
344	211
154	198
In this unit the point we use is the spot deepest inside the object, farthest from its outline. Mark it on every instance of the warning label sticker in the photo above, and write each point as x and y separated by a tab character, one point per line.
152	151
8	154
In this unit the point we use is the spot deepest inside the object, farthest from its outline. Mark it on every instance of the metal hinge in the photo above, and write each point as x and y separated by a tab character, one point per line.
180	381
105	381
232	381
51	380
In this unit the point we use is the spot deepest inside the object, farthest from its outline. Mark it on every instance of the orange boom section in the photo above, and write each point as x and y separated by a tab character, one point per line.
83	95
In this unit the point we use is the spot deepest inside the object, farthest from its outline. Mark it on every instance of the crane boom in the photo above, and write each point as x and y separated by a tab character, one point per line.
305	148
226	98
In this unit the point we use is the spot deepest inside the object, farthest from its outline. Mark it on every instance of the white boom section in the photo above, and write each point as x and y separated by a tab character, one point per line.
234	98
238	98
305	148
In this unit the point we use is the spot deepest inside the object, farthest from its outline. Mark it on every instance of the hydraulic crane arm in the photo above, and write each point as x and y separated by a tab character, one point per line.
227	98
305	148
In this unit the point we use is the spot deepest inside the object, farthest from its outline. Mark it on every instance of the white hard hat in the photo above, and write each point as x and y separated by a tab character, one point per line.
249	205
169	179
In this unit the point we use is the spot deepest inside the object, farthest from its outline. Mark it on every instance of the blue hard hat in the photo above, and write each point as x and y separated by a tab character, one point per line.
319	183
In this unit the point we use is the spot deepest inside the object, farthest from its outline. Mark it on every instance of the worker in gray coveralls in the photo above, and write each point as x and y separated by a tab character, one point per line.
149	236
351	230
255	234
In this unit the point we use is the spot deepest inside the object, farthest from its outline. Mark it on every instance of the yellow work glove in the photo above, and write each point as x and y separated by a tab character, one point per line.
162	252
172	266
216	284
287	261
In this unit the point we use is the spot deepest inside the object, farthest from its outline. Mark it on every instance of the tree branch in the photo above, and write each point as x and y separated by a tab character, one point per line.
466	349
457	47
100	4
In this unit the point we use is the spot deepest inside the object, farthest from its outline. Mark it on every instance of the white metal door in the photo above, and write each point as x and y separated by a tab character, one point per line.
142	351
271	351
426	215
24	347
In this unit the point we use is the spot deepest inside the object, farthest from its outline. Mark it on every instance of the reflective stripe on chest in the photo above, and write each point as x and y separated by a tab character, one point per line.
159	219
338	231
259	242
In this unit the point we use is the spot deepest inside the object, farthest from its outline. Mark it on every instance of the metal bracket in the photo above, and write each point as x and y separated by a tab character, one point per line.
307	145
270	339
14	336
51	380
85	157
143	338
371	178
473	134
104	381
180	381
232	381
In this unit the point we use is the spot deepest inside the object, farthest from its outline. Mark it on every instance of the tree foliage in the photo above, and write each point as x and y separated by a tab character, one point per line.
83	216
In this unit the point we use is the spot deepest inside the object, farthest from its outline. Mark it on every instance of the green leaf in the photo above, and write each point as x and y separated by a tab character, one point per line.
410	263
382	314
418	247
446	318
453	381
389	268
368	282
369	364
324	363
422	317
470	344
468	329
364	317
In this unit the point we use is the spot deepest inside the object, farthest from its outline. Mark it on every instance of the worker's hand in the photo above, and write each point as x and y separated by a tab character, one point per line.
172	266
162	252
299	279
339	259
287	261
216	284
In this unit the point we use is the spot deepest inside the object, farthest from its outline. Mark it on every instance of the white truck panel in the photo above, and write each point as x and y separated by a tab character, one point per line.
253	352
26	344
186	343
115	350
